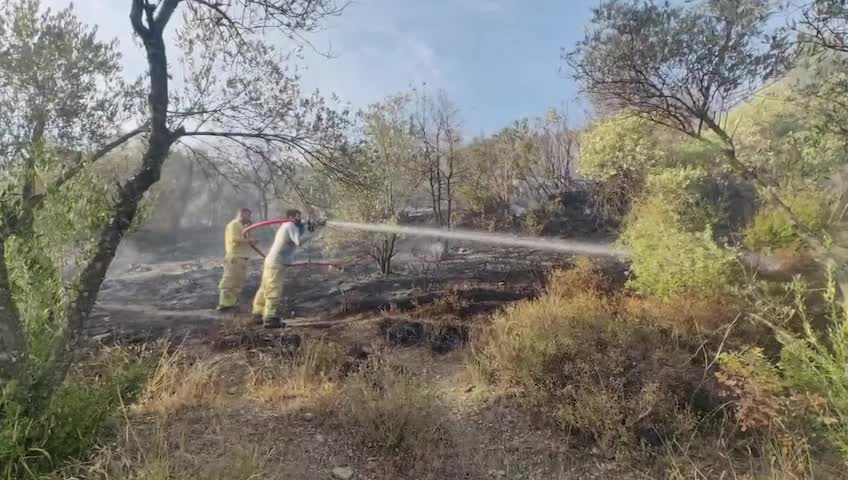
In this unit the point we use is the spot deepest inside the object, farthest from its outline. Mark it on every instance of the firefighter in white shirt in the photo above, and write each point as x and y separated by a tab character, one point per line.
268	303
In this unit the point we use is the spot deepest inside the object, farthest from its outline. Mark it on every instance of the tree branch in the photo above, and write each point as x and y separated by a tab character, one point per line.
136	12
97	155
164	15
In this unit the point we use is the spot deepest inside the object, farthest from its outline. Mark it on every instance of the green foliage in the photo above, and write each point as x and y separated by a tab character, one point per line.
782	137
670	238
639	56
381	181
495	164
773	228
669	260
37	291
78	78
33	442
814	365
804	394
620	146
619	153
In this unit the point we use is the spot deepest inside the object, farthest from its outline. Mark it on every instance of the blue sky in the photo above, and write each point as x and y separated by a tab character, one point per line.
499	60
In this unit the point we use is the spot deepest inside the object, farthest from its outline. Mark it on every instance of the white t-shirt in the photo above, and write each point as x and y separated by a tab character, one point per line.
286	241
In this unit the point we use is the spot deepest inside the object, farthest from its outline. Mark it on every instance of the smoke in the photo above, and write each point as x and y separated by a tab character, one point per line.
535	243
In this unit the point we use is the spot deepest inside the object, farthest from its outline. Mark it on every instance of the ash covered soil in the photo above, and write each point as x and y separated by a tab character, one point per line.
169	290
421	318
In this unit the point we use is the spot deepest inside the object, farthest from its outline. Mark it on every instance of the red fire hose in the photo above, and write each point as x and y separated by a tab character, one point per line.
279	221
267	223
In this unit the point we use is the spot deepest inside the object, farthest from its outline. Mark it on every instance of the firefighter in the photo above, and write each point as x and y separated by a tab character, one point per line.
268	303
238	250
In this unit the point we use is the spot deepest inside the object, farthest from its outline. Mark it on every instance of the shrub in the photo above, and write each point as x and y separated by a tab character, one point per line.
572	353
772	227
667	260
804	393
34	442
397	413
621	144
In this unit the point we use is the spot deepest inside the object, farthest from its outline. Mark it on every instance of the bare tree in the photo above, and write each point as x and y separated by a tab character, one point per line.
436	124
552	172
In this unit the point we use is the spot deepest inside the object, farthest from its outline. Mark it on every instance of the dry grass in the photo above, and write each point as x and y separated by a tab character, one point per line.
152	457
572	354
179	383
451	303
314	371
396	413
780	460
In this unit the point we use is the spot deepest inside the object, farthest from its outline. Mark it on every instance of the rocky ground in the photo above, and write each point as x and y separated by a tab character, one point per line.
421	317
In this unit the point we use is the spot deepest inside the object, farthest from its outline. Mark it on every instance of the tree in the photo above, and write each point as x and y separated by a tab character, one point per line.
53	72
683	66
558	144
823	39
436	127
385	178
238	92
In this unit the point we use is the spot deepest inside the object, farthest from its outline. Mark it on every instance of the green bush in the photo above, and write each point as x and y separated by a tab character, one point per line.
668	260
803	393
33	442
772	227
621	144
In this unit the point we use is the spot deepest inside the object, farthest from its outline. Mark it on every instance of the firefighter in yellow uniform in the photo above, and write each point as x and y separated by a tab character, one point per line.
238	250
268	303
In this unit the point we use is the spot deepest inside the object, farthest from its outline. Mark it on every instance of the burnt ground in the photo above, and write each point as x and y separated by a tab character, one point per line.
161	290
421	317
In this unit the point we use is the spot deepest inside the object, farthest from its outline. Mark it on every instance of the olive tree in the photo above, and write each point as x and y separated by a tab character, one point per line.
61	97
236	92
684	66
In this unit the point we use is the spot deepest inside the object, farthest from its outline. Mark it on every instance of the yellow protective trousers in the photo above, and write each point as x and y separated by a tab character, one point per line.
269	298
232	281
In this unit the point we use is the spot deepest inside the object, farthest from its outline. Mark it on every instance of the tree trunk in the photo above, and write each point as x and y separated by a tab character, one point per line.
385	253
82	298
13	349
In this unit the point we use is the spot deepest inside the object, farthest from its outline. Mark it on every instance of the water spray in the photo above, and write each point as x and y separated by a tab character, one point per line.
534	243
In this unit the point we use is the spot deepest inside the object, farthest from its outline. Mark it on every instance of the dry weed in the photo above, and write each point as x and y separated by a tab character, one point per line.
179	382
571	353
395	412
313	370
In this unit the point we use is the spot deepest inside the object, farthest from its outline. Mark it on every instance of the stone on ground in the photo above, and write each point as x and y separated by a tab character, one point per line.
343	473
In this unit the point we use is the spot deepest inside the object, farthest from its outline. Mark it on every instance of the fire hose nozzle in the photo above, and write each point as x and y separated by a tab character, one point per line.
312	224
